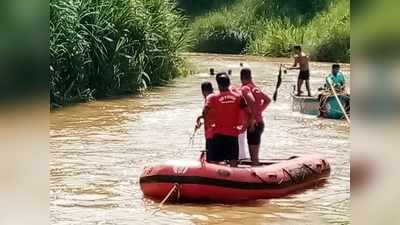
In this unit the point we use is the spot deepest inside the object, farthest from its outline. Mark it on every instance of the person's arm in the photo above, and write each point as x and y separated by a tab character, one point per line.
210	103
343	82
249	113
250	100
295	63
251	103
328	80
266	100
198	121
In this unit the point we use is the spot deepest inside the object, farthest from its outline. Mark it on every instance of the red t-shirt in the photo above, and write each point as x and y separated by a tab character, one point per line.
209	124
243	116
258	97
226	107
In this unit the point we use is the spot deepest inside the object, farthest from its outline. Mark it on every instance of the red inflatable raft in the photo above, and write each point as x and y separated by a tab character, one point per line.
202	181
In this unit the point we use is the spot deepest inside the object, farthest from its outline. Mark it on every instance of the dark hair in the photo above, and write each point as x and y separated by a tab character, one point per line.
206	86
220	74
245	74
223	80
297	47
335	66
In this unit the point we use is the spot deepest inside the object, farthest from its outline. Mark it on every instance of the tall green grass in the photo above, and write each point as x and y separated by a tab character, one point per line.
100	48
326	37
218	33
194	8
276	38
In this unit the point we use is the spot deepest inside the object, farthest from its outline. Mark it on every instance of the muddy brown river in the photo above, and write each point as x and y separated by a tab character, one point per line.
99	149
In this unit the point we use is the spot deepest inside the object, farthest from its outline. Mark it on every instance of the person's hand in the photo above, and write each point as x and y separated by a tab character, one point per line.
198	125
242	128
198	122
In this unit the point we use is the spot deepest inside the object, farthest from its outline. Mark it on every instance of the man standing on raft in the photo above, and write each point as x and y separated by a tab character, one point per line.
301	59
206	90
261	101
226	106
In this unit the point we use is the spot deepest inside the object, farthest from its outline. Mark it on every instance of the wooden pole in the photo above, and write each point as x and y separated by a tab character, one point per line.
338	100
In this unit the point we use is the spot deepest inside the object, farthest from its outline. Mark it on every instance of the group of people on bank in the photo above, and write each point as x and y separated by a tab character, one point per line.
232	116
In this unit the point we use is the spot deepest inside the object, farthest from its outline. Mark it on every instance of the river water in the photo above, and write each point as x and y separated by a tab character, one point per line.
99	149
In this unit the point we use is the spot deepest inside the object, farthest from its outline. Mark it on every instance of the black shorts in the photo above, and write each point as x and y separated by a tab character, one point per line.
208	143
254	138
304	75
223	148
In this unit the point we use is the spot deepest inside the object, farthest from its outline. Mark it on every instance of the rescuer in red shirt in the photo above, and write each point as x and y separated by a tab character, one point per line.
206	90
261	102
225	106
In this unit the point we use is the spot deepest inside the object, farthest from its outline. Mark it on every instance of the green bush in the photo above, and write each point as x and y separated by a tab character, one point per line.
218	33
328	35
276	39
101	48
335	47
193	8
291	9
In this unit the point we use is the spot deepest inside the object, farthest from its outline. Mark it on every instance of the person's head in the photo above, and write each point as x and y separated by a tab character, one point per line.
206	88
245	75
211	71
223	81
335	69
297	49
219	74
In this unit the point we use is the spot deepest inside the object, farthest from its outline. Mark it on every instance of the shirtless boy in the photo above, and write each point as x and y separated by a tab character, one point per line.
301	63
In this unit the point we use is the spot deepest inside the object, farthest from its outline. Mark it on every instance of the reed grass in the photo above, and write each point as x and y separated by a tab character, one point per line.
100	48
218	33
194	8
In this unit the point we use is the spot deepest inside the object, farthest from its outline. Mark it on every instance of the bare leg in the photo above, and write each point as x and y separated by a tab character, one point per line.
308	87
254	149
299	84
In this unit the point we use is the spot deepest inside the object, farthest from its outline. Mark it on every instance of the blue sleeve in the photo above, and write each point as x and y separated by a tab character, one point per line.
328	78
342	79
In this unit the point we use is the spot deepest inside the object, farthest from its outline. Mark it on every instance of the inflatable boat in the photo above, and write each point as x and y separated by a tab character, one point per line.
198	180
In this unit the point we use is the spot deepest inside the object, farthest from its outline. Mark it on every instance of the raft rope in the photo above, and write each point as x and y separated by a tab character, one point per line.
311	169
290	175
174	188
259	177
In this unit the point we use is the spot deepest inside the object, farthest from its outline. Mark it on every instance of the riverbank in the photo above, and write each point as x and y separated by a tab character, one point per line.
271	28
